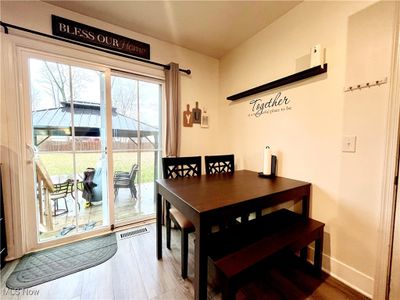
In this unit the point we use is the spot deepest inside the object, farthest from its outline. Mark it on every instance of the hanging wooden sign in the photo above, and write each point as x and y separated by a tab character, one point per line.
196	112
91	35
187	117
204	119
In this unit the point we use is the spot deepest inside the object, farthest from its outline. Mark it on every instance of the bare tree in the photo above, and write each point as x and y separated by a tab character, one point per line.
124	96
57	81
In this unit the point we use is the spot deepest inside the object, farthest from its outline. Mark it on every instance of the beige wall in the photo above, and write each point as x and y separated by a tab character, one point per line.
308	138
201	85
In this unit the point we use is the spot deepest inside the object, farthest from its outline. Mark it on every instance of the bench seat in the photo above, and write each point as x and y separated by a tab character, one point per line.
244	246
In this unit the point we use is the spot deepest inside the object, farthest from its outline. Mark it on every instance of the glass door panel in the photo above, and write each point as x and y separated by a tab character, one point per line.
69	141
135	130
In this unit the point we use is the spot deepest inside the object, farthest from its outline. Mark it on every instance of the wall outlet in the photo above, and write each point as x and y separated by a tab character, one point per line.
349	143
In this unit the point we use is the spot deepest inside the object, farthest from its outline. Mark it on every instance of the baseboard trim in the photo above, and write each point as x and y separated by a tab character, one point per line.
347	275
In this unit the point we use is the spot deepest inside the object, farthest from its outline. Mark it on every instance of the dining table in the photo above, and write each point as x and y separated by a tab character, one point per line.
207	199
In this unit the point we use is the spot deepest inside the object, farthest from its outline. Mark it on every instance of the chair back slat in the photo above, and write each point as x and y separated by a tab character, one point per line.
174	167
133	174
61	190
220	164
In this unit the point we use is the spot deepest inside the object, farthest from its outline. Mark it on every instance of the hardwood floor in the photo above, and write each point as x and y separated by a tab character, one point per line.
135	273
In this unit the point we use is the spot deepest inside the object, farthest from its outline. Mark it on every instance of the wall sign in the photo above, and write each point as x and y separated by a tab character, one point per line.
91	35
266	105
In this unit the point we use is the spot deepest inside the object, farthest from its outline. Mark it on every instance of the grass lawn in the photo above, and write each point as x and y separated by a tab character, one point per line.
62	163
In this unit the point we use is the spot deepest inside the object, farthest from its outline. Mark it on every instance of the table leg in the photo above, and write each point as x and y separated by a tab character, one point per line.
306	214
200	252
158	226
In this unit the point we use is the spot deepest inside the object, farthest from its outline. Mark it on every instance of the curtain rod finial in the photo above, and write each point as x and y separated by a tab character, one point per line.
4	27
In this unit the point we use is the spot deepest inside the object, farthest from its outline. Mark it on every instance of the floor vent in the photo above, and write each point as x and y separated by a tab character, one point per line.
133	232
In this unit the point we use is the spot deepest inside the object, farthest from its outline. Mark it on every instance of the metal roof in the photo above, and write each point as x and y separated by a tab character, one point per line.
87	122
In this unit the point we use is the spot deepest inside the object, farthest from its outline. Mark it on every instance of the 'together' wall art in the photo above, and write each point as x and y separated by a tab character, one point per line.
265	105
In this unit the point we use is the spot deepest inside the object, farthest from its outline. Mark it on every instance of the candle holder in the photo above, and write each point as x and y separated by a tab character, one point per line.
274	162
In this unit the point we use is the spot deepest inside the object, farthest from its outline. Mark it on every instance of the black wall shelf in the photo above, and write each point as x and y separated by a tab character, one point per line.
280	82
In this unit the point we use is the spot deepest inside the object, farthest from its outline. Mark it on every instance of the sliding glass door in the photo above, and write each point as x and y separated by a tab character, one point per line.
68	147
93	146
136	106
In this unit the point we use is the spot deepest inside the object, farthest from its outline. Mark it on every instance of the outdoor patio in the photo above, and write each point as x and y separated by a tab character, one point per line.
126	209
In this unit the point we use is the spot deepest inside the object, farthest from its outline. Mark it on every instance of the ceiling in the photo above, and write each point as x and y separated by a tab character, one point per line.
209	27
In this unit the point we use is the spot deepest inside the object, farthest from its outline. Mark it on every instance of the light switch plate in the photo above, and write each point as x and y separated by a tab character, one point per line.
349	143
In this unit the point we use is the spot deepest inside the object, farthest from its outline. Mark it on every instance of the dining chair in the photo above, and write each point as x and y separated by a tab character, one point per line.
220	164
176	167
217	164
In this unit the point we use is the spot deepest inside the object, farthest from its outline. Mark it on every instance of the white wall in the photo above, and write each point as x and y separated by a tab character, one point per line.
202	86
308	138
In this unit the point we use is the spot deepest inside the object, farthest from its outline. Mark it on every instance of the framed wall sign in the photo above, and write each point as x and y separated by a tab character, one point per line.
91	35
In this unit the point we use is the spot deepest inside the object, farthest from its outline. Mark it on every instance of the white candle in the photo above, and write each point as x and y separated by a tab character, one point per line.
267	161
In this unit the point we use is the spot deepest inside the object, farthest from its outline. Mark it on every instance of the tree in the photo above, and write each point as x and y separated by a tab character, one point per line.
57	78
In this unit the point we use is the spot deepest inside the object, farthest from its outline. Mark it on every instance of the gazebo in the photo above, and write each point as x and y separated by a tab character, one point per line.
87	123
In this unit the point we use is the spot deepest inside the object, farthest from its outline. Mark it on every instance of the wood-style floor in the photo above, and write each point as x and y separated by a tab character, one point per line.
135	273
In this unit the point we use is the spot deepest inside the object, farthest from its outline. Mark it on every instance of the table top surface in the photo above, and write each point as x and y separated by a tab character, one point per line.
208	192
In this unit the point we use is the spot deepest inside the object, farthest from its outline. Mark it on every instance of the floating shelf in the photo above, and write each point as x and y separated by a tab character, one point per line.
282	81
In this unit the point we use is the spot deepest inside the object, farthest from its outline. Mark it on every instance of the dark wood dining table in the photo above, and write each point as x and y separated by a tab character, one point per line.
206	200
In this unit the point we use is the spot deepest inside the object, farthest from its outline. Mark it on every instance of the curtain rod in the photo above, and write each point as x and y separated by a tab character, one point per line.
6	25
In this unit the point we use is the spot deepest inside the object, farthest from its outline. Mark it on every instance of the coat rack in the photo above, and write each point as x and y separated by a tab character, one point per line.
282	81
360	86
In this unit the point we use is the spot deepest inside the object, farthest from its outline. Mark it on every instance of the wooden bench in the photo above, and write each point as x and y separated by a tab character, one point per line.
241	248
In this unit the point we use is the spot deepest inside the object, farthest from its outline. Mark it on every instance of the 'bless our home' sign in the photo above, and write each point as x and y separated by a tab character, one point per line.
90	35
272	105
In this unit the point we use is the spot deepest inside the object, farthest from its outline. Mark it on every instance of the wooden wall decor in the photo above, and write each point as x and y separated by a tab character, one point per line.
187	117
204	118
196	113
195	116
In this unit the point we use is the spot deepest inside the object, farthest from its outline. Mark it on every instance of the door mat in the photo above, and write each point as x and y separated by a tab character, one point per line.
40	267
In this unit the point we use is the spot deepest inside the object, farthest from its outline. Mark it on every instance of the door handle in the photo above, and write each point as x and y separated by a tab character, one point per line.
32	152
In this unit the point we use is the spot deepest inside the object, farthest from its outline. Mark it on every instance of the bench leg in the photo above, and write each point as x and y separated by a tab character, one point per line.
228	290
303	253
319	243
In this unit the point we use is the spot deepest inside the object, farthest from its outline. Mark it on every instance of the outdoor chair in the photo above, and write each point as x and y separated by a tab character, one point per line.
61	191
55	192
126	180
174	168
